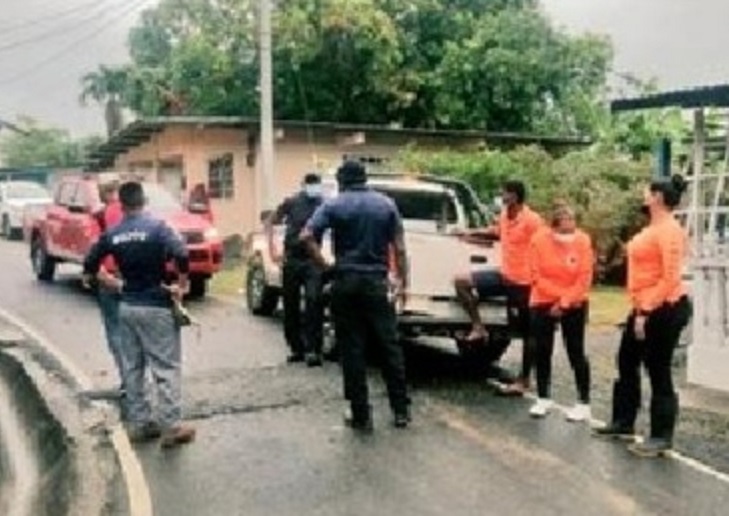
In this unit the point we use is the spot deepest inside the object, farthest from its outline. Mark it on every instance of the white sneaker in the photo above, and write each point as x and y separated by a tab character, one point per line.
541	407
580	412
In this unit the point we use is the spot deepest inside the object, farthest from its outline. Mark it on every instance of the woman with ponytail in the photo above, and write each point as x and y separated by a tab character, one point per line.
660	311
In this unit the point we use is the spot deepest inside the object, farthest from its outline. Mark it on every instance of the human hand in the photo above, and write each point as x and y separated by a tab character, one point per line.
275	256
556	311
109	281
639	327
176	291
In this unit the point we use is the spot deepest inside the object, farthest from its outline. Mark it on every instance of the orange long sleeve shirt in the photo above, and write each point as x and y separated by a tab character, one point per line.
656	257
561	272
515	236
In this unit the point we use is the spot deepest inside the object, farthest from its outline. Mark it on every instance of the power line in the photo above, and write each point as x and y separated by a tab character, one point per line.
14	27
57	31
132	6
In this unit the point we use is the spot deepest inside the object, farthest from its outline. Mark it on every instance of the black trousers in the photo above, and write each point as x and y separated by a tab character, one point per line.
573	324
490	285
303	275
663	330
363	316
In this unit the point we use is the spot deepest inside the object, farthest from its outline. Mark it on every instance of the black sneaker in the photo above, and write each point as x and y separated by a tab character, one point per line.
614	431
362	424
145	433
314	360
402	419
295	358
651	448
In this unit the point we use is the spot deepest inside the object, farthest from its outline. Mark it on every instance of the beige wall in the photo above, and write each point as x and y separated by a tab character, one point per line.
298	151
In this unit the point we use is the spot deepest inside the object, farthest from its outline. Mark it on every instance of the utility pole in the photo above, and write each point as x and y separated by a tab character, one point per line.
266	87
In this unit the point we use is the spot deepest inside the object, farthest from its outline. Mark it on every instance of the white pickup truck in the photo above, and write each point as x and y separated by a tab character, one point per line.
433	210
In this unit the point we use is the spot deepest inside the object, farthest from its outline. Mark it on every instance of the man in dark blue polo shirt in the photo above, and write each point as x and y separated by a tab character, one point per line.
299	272
141	246
365	225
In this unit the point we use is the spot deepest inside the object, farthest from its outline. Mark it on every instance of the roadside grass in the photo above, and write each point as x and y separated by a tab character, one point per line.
229	282
608	307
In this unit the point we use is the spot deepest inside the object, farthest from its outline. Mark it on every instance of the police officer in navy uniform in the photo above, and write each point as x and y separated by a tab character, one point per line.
300	272
366	226
141	246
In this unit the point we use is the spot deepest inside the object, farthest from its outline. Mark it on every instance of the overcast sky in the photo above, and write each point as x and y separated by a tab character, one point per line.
681	42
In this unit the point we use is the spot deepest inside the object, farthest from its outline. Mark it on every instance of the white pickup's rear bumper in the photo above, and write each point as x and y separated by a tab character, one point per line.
436	315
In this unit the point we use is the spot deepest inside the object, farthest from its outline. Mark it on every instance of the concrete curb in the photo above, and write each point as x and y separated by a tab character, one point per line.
93	430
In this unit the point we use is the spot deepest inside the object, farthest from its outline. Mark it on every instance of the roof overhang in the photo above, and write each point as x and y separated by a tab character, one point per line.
142	131
711	96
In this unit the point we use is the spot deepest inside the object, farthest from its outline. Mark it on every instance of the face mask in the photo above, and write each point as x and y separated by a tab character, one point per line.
313	191
565	238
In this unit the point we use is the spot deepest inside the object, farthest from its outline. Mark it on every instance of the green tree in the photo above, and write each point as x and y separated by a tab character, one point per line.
336	60
494	64
107	86
44	146
516	72
194	57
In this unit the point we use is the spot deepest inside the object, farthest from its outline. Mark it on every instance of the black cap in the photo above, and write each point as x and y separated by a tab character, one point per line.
312	178
352	173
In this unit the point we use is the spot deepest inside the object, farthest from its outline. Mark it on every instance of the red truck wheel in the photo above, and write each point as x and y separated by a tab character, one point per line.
44	266
198	288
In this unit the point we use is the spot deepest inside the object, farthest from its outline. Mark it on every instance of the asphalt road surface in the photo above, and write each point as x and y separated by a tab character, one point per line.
271	440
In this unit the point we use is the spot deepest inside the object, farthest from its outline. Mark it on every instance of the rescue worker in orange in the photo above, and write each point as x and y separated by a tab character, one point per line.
516	226
660	311
562	265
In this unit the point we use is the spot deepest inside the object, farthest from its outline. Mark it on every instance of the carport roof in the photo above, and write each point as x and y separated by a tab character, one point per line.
141	131
708	96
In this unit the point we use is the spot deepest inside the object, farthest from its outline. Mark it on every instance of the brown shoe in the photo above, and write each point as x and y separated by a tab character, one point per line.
515	390
177	435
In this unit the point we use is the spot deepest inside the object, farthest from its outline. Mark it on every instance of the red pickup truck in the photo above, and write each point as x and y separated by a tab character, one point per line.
65	231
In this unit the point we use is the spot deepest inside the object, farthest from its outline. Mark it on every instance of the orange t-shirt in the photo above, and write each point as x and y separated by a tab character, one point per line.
655	260
515	235
562	271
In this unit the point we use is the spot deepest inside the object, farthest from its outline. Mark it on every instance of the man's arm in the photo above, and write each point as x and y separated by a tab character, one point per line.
175	248
481	236
92	263
314	231
401	255
275	218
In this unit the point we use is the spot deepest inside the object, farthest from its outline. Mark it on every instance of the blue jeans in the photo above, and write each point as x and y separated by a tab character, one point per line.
150	341
109	304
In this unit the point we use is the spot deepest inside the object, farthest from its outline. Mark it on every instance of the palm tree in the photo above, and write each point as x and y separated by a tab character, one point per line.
107	86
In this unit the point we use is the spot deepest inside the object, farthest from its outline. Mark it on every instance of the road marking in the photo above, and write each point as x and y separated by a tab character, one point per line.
688	461
138	495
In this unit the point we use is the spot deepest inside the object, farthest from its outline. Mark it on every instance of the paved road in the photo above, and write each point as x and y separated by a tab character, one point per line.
271	441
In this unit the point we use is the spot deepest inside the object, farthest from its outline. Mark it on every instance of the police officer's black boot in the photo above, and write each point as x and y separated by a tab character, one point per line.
625	411
360	418
664	411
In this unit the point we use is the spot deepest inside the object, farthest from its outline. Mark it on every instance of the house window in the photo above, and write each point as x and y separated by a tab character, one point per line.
220	177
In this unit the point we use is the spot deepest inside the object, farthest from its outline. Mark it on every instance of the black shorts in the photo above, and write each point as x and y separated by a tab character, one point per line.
491	284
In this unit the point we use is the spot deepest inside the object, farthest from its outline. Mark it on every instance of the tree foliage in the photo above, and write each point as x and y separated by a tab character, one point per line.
492	64
43	146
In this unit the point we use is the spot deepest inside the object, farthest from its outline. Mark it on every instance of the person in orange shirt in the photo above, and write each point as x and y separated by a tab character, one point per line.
562	265
516	226
110	216
660	311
